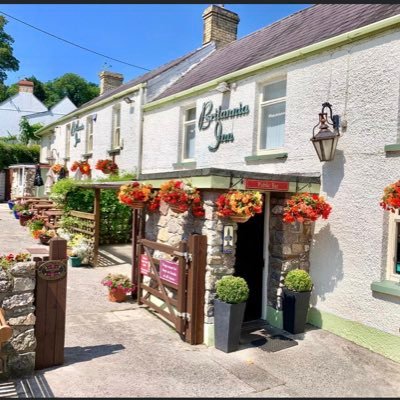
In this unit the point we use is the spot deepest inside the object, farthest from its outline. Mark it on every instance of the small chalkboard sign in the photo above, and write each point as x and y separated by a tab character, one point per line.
52	270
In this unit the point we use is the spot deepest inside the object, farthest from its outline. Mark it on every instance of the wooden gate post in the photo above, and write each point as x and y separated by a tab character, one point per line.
50	301
196	288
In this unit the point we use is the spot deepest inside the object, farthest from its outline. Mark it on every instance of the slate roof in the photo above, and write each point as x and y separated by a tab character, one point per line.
303	28
140	79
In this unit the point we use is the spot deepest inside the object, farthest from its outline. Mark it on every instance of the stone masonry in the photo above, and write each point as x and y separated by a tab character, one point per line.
289	248
17	287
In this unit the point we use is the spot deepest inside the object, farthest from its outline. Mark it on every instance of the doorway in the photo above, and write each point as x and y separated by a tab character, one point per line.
249	262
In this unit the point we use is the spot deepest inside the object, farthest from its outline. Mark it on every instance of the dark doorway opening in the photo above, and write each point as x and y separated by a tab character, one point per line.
250	262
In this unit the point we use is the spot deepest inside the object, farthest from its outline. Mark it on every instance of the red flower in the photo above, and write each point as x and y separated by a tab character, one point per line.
107	166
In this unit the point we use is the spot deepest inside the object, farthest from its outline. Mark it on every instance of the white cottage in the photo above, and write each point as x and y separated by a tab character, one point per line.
244	116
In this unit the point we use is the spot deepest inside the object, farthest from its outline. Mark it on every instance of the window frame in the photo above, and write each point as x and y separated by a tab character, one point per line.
89	134
185	123
68	140
114	127
394	220
261	105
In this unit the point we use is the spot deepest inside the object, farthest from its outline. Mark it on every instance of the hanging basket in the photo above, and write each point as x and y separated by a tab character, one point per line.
239	218
139	205
176	209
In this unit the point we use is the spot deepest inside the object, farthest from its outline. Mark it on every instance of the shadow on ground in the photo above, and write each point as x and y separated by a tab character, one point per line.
79	354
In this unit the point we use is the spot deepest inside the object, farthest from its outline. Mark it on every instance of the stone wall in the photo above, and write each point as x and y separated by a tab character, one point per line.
289	248
29	189
16	298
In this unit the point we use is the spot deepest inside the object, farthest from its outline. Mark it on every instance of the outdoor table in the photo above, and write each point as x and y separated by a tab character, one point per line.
53	217
42	207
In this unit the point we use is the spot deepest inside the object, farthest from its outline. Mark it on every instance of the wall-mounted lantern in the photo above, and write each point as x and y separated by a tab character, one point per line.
325	141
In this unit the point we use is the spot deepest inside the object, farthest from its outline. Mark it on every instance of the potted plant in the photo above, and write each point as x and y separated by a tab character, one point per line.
296	299
107	166
306	207
135	194
35	225
18	208
232	293
181	196
25	216
46	235
79	250
7	261
239	205
74	259
56	168
83	166
10	204
119	286
391	197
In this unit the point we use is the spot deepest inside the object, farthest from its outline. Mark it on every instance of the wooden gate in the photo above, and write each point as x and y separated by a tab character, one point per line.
175	288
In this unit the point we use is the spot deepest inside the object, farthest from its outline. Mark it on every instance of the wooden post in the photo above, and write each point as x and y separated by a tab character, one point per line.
139	248
51	299
135	264
196	288
96	226
181	297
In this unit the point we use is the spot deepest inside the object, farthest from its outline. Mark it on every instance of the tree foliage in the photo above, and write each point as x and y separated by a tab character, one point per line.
7	60
17	153
27	131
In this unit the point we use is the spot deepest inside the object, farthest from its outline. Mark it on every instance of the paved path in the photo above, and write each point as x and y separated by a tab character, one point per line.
121	350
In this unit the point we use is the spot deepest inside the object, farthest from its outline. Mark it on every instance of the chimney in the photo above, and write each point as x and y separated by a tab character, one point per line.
109	80
220	25
25	86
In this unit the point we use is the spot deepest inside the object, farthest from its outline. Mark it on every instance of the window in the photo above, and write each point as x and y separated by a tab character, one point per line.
189	134
89	134
393	260
272	112
67	141
116	127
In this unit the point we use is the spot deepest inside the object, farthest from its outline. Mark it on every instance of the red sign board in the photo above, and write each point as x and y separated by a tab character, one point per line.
144	264
169	271
275	186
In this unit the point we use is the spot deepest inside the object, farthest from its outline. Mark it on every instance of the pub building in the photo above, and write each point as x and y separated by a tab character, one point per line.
308	104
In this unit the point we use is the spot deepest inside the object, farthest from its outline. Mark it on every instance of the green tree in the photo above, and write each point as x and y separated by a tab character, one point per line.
27	131
78	89
7	60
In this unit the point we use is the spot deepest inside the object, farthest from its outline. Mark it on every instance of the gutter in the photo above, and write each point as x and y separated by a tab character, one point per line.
341	39
140	129
43	130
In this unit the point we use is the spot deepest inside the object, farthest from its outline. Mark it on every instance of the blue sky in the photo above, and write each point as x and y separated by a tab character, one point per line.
147	35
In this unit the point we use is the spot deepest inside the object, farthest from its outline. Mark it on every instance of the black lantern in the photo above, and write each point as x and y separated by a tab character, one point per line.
325	141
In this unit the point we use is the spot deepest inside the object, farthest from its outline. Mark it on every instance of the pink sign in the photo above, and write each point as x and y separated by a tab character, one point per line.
169	271
144	264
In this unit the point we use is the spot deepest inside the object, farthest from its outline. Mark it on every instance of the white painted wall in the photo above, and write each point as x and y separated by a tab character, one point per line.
361	80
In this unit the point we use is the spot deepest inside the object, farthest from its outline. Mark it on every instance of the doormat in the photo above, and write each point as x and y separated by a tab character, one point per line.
274	343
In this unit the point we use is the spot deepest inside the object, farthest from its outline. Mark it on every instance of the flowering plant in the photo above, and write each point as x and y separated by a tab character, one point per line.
391	197
36	233
56	168
134	191
182	196
118	282
6	261
239	203
306	207
107	166
49	233
83	166
80	247
35	223
154	203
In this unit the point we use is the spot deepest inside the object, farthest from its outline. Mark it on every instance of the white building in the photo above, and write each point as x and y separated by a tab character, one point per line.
26	104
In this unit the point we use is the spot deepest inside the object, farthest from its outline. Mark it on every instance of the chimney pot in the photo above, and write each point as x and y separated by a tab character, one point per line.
109	80
220	25
25	86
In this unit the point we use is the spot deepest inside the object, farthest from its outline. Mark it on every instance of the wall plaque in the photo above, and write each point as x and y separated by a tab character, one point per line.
169	271
52	270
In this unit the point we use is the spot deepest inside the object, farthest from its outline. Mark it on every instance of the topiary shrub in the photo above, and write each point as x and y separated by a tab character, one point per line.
232	290
298	280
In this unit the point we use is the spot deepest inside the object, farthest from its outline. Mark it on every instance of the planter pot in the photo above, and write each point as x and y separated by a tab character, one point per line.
239	218
16	215
139	205
175	209
75	261
295	309
44	239
228	319
10	204
23	219
117	296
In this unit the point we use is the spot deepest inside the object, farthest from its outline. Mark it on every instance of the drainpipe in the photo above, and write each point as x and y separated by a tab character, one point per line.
140	130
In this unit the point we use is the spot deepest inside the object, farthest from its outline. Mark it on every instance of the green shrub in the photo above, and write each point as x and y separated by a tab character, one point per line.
17	154
298	280
232	290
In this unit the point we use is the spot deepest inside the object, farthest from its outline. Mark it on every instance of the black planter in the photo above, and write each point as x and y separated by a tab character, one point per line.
228	319
295	309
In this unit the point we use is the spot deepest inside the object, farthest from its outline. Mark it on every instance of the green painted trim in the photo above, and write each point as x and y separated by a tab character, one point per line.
387	287
84	110
114	151
275	317
392	147
185	164
373	339
265	157
304	52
